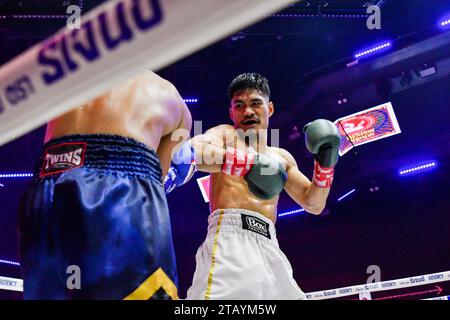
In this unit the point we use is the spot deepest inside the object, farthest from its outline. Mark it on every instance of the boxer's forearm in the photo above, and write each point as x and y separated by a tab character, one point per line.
209	156
315	198
309	196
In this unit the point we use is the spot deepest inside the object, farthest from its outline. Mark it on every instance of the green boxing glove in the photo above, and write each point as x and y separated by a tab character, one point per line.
264	175
322	139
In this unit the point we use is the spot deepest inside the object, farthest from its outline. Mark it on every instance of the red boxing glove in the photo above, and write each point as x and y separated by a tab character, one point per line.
237	162
323	177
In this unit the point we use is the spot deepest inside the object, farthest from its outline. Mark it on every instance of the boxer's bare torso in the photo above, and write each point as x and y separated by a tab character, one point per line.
229	191
146	108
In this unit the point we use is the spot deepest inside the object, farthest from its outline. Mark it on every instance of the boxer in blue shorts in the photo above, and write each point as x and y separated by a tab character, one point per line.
94	223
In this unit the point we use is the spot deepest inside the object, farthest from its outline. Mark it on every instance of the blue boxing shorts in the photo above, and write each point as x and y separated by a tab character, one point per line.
94	223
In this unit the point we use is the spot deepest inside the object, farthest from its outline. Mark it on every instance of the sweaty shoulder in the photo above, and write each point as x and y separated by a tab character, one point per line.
168	98
152	80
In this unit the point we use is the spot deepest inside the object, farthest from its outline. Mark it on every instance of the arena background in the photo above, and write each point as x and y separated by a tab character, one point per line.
399	223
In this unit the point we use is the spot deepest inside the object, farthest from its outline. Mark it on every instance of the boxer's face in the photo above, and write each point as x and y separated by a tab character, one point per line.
249	109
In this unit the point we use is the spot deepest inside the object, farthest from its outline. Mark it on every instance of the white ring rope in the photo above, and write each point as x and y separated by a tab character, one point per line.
380	286
11	284
116	41
439	298
14	284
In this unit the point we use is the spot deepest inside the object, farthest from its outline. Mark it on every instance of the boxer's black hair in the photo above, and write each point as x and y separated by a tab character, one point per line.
249	81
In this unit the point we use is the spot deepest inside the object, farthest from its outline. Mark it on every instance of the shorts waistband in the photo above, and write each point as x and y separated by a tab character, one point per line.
102	152
243	221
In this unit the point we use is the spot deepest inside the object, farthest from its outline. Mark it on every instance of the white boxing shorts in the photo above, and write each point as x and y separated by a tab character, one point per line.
241	260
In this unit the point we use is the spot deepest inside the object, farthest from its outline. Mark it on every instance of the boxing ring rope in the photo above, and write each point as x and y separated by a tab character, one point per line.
11	284
380	286
14	284
116	41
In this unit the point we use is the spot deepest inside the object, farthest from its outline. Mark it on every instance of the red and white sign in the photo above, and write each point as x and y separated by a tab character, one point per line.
203	184
366	126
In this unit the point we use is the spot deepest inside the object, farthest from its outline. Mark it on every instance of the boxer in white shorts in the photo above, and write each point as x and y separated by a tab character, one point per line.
240	258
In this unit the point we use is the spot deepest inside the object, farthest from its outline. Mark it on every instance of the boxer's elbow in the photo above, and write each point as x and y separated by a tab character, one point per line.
308	202
315	199
316	210
209	156
314	207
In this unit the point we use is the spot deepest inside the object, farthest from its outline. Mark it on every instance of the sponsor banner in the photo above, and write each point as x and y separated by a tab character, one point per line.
17	285
380	286
367	126
11	284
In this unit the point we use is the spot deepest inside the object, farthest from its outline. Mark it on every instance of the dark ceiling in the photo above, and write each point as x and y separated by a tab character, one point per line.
303	51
